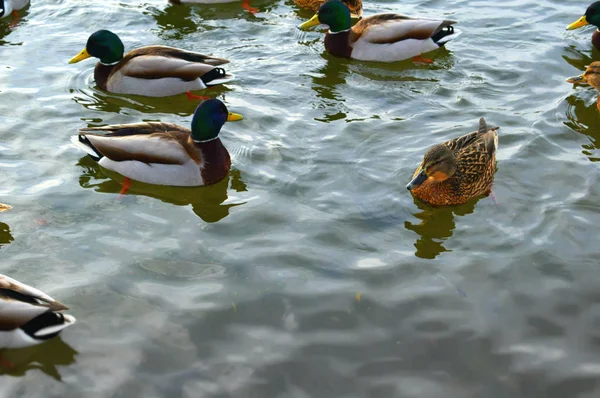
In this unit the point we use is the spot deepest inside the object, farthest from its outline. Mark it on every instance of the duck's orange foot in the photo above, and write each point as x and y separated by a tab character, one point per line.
246	6
15	20
420	58
194	97
5	363
124	187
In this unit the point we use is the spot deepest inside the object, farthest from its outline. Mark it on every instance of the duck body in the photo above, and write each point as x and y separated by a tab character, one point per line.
470	174
7	7
152	71
591	76
162	153
382	37
28	316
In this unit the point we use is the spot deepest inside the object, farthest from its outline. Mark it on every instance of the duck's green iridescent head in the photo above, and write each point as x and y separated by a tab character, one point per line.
439	164
104	45
208	119
334	14
591	17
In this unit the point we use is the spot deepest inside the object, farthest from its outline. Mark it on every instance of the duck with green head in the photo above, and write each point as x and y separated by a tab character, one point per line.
591	17
152	71
380	37
458	170
164	153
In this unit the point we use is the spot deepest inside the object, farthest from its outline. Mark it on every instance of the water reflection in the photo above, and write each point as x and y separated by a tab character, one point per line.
207	202
98	100
583	117
45	357
325	84
5	236
436	226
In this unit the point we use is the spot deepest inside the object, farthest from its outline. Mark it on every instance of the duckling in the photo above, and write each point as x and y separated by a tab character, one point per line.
164	153
591	76
457	170
380	37
4	207
153	71
591	17
28	316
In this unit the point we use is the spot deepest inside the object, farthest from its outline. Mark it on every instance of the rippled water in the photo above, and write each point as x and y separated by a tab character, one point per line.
309	271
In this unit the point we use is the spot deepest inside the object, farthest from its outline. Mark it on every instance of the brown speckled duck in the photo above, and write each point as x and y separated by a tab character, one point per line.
591	17
457	170
591	76
153	71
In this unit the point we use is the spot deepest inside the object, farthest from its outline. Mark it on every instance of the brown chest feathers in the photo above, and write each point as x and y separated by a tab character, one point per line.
216	161
338	44
460	188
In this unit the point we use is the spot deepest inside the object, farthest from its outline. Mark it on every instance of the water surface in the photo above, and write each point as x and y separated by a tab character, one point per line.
309	271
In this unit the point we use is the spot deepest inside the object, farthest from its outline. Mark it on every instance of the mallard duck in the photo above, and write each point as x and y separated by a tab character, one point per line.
355	6
153	71
164	153
8	7
4	207
457	170
591	17
591	76
380	37
27	315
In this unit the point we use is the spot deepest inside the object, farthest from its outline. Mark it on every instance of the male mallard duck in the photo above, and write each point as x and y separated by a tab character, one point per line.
164	153
355	6
153	71
8	7
591	17
591	76
4	207
457	170
27	315
380	37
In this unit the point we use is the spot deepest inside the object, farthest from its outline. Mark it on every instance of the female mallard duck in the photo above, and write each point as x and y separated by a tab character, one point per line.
4	207
591	17
381	37
153	71
355	6
27	315
457	170
591	76
164	153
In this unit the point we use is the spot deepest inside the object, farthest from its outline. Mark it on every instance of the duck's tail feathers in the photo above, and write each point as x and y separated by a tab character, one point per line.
47	325
445	33
482	126
216	76
81	142
490	136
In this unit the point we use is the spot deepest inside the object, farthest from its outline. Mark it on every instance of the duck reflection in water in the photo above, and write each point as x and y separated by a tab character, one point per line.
45	357
5	236
436	226
583	117
326	82
207	201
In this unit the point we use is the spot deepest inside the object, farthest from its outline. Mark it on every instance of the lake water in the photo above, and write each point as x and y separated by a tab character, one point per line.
310	271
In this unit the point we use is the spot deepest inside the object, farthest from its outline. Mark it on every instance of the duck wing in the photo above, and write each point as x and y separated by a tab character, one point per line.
391	28
150	143
17	291
157	62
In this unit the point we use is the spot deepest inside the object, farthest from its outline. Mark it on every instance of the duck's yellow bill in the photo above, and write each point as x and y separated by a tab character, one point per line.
233	117
80	57
577	79
314	21
578	24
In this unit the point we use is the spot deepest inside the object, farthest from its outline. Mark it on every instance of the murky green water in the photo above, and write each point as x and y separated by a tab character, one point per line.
310	271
